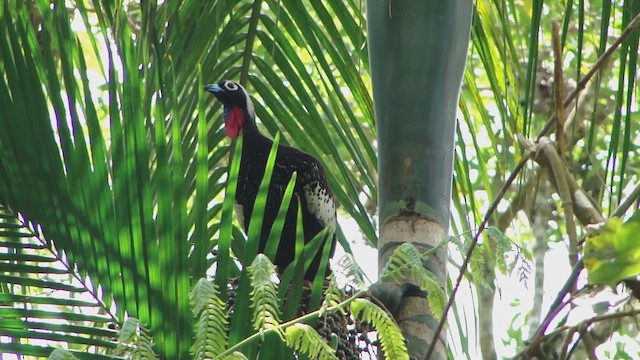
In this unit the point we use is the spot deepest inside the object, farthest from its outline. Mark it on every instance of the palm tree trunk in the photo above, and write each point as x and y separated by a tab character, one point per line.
417	51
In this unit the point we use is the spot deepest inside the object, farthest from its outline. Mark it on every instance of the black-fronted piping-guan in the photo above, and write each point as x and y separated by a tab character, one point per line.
311	189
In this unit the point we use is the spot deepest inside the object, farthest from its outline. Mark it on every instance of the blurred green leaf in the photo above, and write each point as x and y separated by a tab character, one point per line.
613	254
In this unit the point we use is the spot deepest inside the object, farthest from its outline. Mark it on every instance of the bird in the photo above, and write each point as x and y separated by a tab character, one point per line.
312	190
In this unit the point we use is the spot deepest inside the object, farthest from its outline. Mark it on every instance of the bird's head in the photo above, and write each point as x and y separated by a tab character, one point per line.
238	108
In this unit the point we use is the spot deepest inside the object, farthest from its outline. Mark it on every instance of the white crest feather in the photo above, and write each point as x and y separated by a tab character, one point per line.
250	109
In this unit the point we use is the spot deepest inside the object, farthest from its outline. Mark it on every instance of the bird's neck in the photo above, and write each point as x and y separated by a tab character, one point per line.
250	126
253	138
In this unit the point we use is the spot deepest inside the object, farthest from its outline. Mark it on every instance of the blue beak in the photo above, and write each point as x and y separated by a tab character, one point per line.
213	88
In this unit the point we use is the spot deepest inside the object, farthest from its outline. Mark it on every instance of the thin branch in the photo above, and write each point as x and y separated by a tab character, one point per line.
555	157
558	81
566	342
589	345
536	341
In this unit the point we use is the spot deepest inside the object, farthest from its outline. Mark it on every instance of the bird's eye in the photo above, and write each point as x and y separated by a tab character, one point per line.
230	85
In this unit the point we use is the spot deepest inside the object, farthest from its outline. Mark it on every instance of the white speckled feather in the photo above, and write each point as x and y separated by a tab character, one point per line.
320	203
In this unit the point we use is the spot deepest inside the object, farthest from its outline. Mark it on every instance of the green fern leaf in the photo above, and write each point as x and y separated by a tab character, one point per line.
503	244
436	296
406	264
303	338
264	296
351	271
478	265
332	296
405	258
202	291
391	339
212	324
138	337
128	330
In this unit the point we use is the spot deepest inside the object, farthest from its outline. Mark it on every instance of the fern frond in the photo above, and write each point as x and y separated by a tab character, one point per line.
503	244
264	296
332	296
407	260
478	266
128	330
212	323
61	354
457	241
501	240
351	271
303	338
391	339
202	291
135	334
435	295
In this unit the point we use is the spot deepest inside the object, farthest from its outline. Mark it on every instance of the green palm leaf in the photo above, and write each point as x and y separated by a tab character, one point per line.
44	301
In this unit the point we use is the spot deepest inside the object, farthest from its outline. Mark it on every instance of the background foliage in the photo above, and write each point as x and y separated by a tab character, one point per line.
113	164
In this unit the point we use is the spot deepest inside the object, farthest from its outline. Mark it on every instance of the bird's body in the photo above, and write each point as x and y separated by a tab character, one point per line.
311	189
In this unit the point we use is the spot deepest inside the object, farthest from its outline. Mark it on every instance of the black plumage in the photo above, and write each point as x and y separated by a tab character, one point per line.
311	189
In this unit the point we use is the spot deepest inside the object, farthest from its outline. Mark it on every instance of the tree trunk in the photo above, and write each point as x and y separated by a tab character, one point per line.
417	51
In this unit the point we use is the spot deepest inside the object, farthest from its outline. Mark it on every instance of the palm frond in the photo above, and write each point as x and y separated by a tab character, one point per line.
46	302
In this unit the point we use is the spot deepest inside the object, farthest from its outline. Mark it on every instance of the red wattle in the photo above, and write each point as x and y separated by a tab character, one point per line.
234	123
